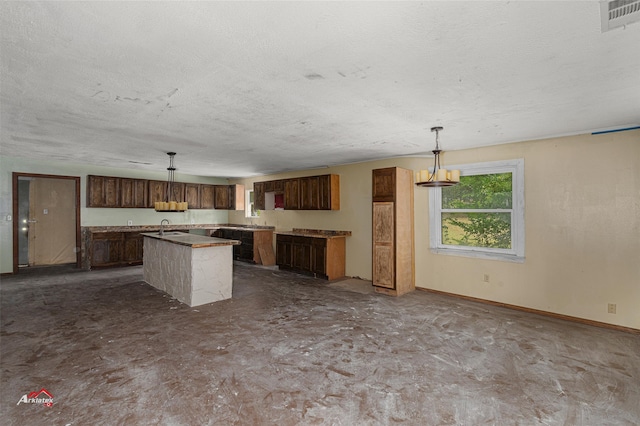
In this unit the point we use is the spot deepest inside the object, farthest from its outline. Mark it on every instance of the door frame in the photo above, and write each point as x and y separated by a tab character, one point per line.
16	225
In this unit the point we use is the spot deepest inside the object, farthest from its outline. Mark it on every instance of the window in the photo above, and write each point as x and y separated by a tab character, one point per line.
249	207
482	216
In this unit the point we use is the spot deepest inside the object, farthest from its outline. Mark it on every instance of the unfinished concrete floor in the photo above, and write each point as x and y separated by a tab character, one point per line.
290	350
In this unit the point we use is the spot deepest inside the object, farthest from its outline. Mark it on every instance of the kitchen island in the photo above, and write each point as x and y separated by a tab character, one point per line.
194	269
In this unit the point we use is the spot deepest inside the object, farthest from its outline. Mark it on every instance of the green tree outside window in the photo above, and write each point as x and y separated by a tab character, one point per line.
477	211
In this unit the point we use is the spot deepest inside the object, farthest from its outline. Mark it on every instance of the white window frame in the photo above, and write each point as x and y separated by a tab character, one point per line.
516	252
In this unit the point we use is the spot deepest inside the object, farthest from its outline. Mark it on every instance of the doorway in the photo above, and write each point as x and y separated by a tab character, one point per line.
46	224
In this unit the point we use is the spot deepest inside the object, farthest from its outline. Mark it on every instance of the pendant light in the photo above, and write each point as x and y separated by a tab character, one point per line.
168	204
439	177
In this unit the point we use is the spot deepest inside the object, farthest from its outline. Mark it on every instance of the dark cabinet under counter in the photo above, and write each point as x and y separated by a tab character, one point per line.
255	243
320	254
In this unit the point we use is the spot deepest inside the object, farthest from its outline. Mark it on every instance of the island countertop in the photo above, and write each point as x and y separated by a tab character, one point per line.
191	240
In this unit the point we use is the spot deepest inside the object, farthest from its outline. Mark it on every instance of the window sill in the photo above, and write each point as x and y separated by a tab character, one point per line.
480	255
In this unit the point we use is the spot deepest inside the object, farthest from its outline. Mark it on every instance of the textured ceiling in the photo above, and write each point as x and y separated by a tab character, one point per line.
241	89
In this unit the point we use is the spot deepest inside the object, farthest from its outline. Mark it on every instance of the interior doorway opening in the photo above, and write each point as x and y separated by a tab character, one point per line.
46	225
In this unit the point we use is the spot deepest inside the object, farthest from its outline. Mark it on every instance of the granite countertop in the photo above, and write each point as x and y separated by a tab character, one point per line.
181	227
246	227
316	233
191	240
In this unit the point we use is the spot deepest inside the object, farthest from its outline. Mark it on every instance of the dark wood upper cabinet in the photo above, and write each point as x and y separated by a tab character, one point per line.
103	191
310	193
329	190
110	191
157	192
229	197
305	193
177	192
133	193
278	185
258	195
292	194
384	184
221	200
207	196
192	195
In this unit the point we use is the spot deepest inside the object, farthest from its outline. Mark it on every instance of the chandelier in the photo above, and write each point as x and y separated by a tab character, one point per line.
438	177
169	204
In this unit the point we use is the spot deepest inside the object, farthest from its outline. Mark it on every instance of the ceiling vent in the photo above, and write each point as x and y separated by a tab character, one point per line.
618	13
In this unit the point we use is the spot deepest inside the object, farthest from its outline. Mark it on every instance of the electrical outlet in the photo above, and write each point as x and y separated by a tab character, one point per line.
193	221
611	308
486	278
129	222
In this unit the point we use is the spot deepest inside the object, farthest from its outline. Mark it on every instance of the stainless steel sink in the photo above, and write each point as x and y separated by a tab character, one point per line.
171	233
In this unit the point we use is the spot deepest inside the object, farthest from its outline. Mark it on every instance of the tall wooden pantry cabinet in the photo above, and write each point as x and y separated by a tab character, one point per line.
393	246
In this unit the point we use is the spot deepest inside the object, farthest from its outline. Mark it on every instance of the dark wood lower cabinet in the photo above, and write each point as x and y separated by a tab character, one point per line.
302	248
317	256
284	251
109	249
106	249
251	242
133	248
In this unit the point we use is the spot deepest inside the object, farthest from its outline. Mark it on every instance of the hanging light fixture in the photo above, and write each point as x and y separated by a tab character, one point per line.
439	177
168	204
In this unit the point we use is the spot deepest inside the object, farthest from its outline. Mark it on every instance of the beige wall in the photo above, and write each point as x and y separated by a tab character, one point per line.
582	216
582	196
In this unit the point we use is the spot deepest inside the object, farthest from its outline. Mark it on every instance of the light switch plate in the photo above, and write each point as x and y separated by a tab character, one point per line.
129	222
45	211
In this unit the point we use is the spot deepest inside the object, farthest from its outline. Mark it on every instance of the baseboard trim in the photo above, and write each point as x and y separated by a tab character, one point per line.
536	311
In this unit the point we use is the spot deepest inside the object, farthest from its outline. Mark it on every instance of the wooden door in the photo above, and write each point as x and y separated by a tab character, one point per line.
50	226
383	244
58	229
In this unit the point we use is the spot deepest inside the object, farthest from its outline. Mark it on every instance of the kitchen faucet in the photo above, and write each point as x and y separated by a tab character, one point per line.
162	226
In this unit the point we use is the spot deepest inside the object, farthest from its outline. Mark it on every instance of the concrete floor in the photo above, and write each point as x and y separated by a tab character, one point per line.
290	350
